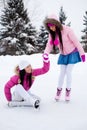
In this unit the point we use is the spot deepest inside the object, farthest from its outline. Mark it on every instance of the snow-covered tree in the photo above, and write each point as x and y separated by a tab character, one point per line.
32	38
2	3
63	17
17	28
42	38
84	37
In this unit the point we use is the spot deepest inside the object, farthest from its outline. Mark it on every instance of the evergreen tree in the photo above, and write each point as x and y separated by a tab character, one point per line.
84	37
15	32
3	2
31	39
42	38
63	17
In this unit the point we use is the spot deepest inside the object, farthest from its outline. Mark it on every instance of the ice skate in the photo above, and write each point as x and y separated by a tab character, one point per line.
19	104
58	94
67	94
37	104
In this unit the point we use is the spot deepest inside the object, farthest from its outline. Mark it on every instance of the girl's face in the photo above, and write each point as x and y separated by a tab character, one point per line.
53	28
28	69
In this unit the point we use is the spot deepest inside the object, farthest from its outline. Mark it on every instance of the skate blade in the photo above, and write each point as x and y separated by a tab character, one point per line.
67	100
57	100
18	104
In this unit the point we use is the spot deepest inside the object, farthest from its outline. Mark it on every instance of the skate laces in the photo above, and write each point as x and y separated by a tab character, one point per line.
59	91
67	92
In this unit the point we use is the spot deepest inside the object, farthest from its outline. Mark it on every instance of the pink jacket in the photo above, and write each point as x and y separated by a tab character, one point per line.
15	79
70	42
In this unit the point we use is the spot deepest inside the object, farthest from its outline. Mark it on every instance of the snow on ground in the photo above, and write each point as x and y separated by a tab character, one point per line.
51	115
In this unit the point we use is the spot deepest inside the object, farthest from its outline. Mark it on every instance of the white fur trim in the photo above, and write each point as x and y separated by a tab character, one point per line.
46	60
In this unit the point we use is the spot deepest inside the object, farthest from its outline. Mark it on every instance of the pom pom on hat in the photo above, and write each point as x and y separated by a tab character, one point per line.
53	16
23	64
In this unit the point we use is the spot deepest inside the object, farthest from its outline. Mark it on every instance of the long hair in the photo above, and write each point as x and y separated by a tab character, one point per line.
29	77
58	31
53	35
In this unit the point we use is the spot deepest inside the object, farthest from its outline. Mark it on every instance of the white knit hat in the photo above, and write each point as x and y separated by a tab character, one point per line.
23	64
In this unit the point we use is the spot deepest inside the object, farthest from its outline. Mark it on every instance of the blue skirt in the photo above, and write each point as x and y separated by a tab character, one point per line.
71	58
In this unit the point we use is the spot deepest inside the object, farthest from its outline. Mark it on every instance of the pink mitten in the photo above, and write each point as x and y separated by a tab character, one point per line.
45	57
83	58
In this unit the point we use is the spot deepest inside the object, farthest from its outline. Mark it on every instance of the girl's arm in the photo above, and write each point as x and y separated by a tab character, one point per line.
49	46
75	41
45	67
7	89
77	44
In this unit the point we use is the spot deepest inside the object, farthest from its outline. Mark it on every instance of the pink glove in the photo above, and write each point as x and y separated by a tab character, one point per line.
56	42
45	57
83	58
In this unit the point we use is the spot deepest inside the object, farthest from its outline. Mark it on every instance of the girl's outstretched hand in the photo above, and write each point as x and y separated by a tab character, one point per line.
45	57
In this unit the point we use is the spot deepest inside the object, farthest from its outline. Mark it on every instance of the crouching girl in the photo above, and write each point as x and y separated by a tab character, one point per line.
22	82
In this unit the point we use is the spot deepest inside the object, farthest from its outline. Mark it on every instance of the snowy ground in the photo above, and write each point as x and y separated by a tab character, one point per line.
52	115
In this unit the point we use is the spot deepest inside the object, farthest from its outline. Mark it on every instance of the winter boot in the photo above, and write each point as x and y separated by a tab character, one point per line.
67	94
58	94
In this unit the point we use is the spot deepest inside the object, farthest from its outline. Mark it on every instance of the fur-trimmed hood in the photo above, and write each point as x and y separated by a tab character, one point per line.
16	70
52	19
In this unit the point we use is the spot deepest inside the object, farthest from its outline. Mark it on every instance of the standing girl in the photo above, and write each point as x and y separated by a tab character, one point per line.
22	82
71	52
